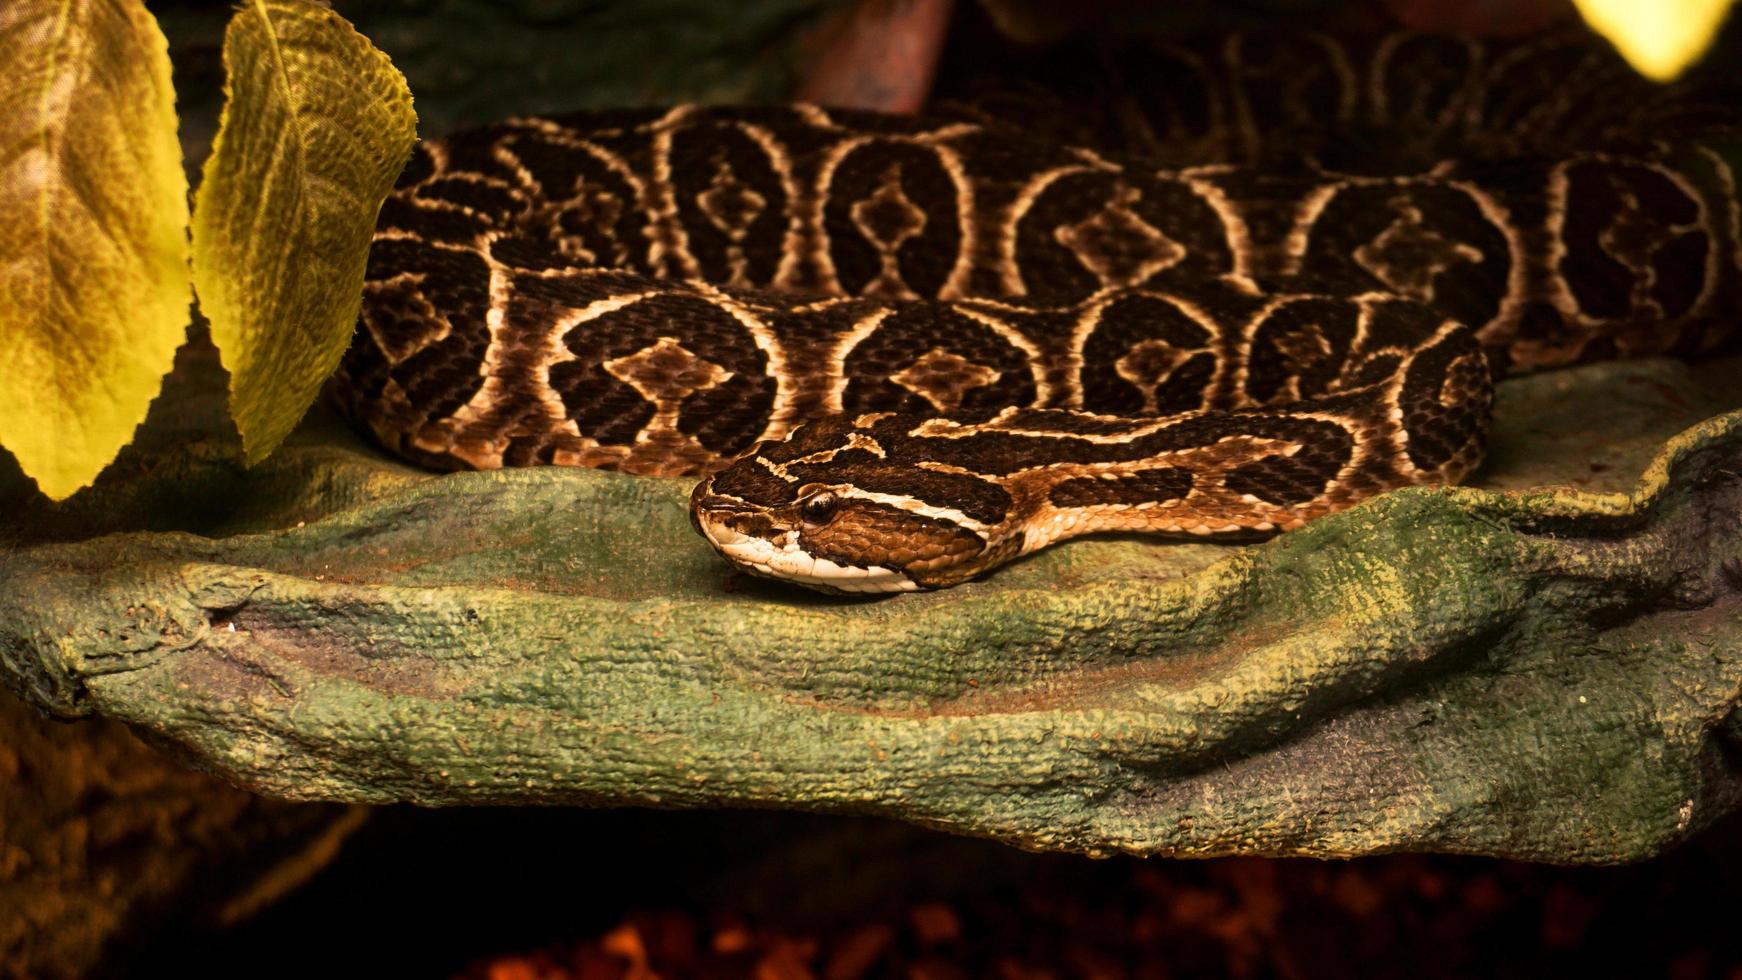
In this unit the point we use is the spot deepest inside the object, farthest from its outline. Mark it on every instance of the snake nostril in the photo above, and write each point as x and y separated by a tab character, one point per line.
716	505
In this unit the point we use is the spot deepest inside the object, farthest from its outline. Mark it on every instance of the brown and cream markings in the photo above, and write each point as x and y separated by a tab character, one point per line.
903	351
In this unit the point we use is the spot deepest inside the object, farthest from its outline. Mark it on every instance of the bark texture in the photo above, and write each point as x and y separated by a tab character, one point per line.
104	840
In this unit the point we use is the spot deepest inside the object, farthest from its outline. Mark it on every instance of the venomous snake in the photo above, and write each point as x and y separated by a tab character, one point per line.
903	351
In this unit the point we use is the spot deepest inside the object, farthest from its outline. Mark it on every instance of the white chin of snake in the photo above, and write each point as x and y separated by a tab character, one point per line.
790	564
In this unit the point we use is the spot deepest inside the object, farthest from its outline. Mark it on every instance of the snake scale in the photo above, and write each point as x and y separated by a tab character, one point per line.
901	351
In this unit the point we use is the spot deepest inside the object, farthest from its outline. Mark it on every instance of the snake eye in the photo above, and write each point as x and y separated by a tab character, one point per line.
818	507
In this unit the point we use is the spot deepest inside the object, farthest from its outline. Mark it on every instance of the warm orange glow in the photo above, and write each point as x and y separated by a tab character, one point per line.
1659	37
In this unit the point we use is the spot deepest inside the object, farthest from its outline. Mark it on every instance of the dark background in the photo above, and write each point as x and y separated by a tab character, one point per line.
526	892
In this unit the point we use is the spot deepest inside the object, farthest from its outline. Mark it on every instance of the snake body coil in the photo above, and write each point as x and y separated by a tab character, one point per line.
932	345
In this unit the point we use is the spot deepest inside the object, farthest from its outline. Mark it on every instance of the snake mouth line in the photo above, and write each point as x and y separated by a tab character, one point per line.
759	556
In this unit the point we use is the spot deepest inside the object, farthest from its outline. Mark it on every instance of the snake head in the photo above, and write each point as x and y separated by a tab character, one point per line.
831	509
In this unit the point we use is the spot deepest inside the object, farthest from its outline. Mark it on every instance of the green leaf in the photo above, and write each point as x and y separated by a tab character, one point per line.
93	231
316	126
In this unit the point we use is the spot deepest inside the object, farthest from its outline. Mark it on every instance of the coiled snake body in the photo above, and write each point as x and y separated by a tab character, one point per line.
932	345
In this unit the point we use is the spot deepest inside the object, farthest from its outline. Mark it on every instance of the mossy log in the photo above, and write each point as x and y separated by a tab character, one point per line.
1542	673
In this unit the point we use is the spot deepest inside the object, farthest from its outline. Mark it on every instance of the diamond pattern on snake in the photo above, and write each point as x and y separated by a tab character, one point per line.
899	352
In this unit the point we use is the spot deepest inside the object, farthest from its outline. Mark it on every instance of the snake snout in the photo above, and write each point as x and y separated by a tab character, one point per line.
699	501
714	508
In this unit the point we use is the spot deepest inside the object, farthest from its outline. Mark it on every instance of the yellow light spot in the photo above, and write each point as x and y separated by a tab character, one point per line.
1658	37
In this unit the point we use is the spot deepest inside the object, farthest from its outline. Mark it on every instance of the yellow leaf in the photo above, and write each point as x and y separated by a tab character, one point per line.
1658	37
317	124
93	232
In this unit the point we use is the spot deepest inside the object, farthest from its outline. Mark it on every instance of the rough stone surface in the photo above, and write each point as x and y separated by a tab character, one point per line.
1536	673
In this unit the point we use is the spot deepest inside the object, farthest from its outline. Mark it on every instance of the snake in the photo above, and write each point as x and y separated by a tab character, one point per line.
899	352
